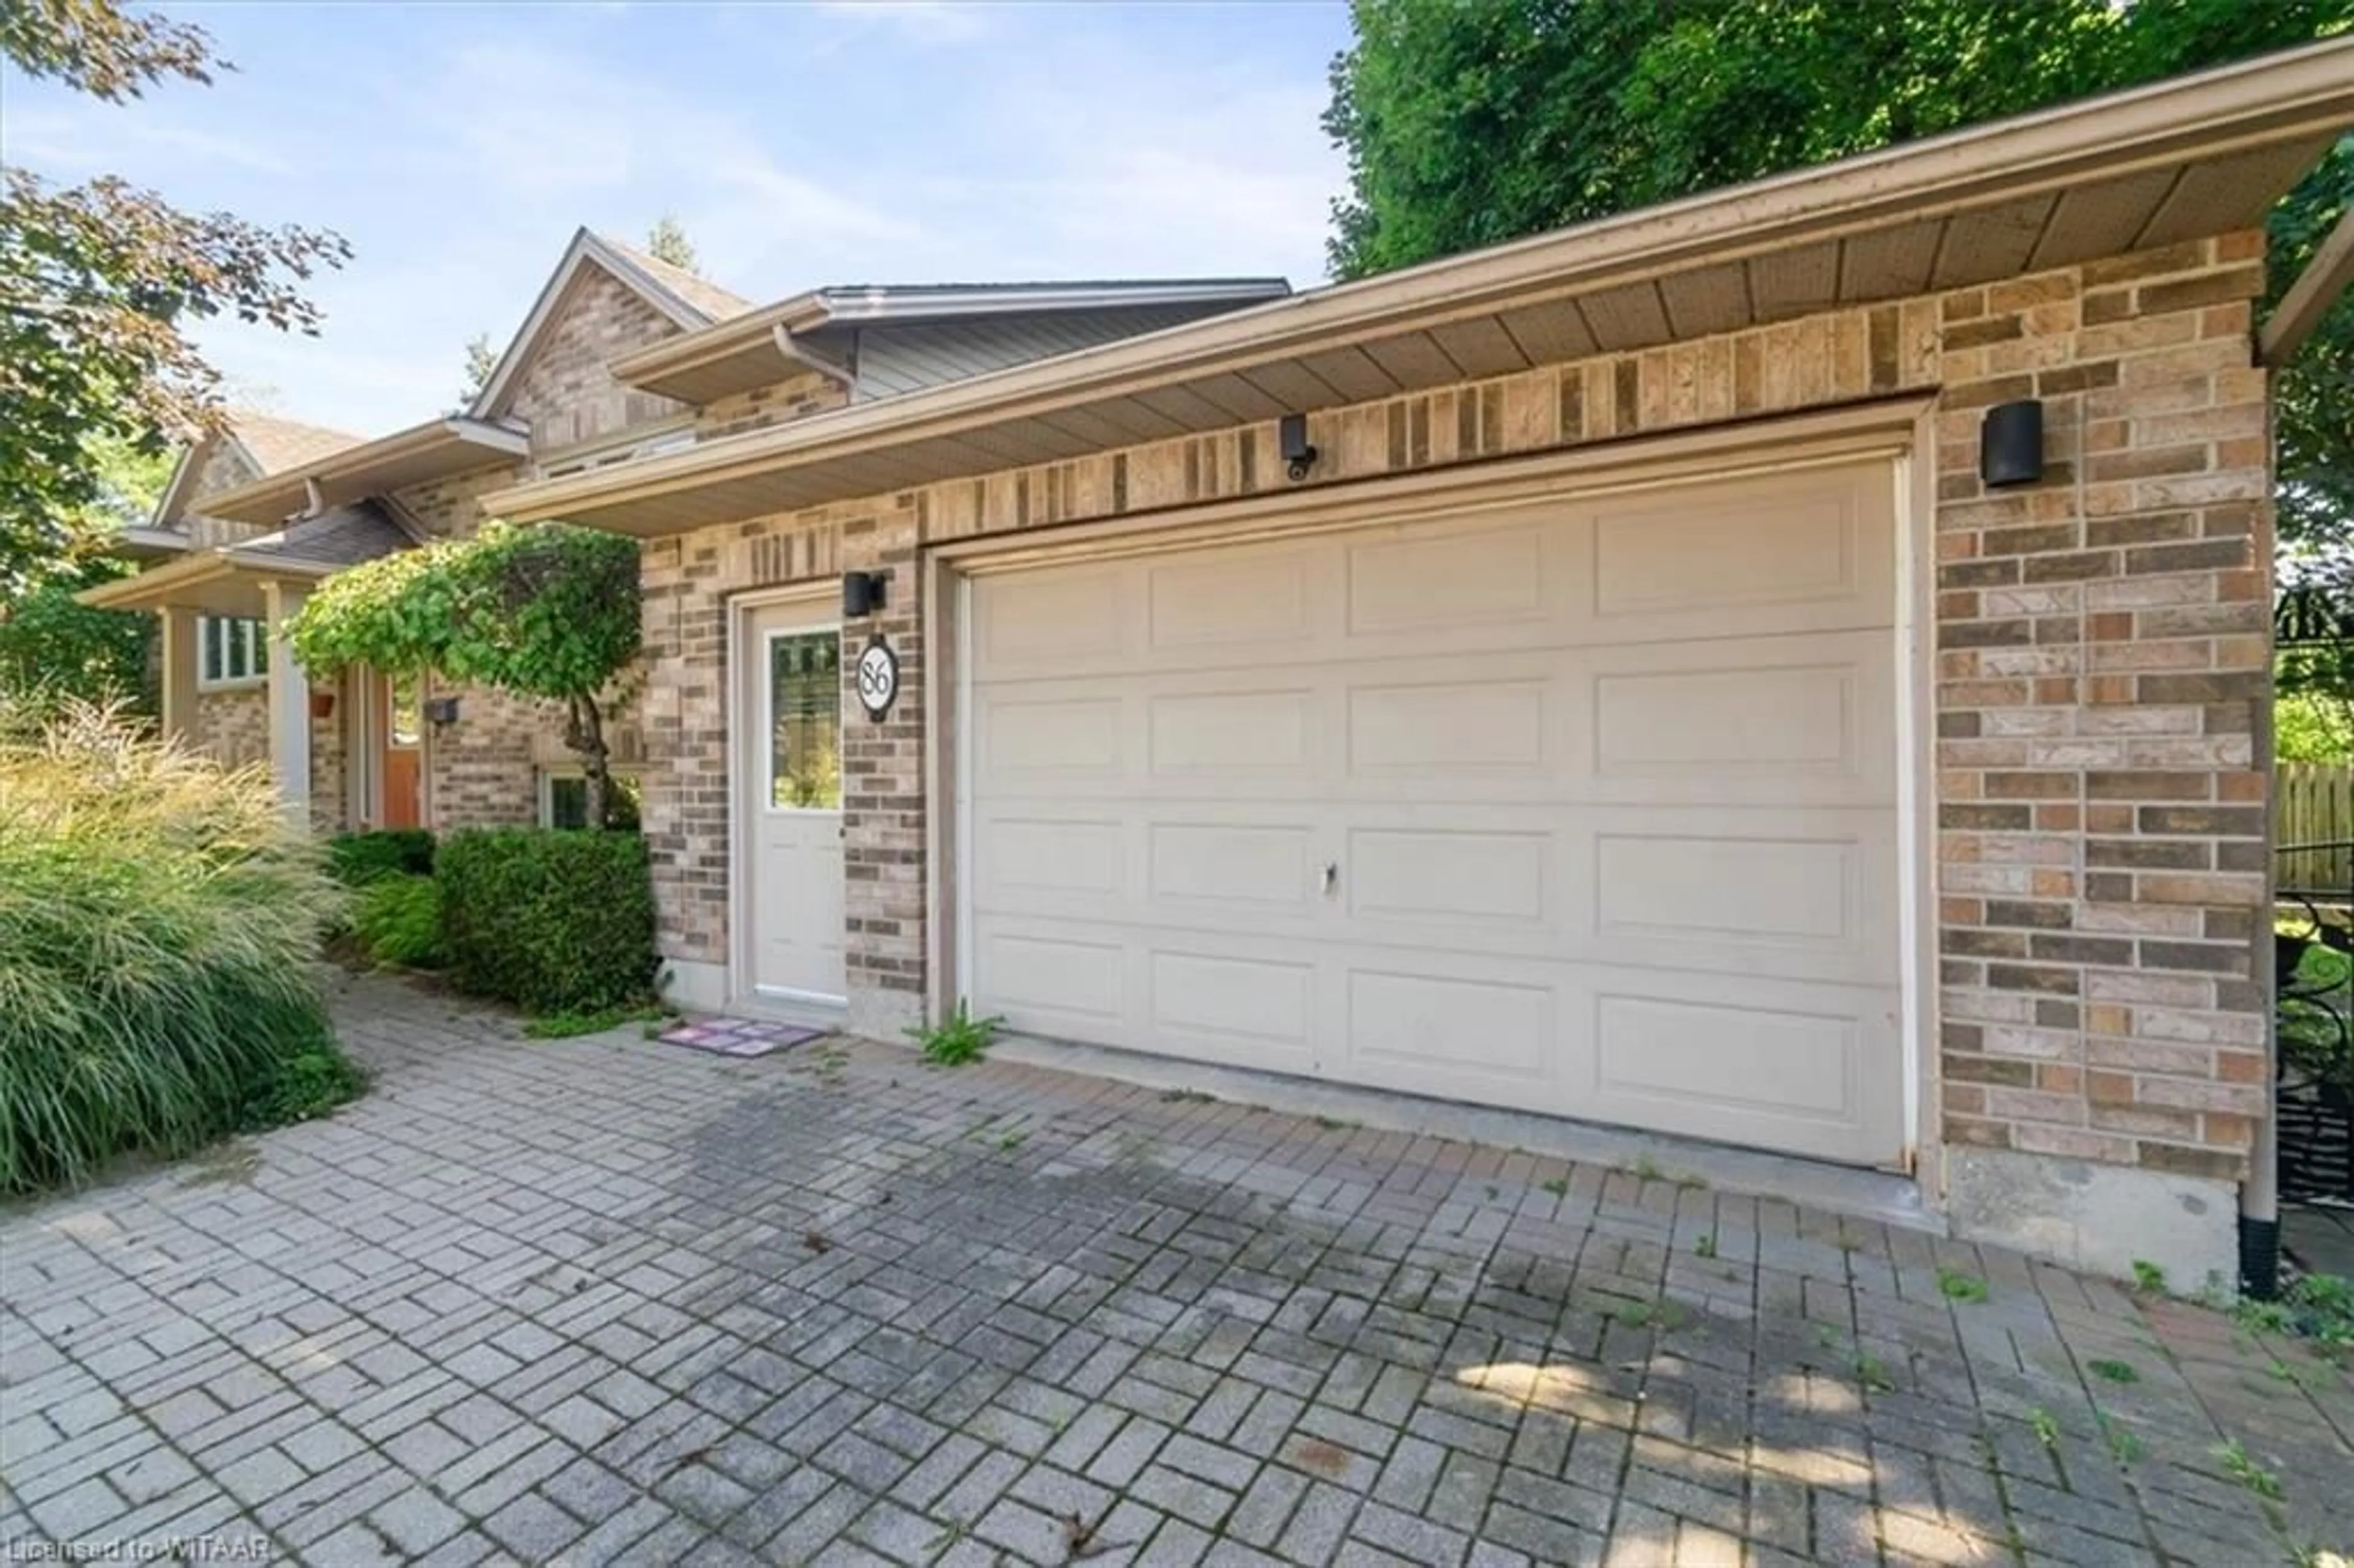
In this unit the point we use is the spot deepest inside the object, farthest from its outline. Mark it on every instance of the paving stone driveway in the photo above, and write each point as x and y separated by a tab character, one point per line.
605	1300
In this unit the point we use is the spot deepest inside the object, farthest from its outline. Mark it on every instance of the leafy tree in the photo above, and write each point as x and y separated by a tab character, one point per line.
1465	125
667	241
548	612
52	648
99	282
480	360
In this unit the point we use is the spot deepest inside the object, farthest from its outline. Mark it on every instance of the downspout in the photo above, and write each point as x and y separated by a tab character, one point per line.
2260	1226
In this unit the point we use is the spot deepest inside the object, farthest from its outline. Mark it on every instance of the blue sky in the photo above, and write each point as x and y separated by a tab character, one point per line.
457	147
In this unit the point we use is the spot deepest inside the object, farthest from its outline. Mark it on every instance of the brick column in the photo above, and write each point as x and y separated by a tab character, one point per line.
2103	654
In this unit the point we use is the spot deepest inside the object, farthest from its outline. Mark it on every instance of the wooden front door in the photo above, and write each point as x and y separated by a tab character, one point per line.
395	740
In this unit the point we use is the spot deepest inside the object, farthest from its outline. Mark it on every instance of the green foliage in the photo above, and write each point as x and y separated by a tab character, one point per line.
1956	1286
357	859
2045	1426
2148	1278
667	241
960	1038
398	921
2114	1372
2313	727
549	612
482	359
51	647
2318	1306
2247	1472
303	1087
99	284
159	921
554	922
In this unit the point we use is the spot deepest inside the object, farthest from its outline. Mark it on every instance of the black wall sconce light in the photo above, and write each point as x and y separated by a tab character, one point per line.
2011	443
862	594
440	711
1299	456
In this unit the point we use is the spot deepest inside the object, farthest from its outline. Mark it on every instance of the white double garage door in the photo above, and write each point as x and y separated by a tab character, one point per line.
1585	806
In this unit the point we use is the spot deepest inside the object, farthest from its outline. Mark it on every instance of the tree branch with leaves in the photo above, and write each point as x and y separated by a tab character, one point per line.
99	284
549	612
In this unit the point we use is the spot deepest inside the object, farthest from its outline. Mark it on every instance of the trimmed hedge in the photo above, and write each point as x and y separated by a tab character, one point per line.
552	921
357	858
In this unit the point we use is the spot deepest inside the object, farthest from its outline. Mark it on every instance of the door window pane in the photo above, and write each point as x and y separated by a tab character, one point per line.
805	720
405	720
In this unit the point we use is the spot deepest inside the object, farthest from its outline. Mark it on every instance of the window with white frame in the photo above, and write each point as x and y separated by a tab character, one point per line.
230	650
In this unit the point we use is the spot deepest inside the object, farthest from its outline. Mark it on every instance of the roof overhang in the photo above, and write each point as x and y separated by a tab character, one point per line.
144	541
761	348
437	448
216	582
2175	161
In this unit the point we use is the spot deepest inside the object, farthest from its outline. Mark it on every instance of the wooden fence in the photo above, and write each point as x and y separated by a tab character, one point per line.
2315	807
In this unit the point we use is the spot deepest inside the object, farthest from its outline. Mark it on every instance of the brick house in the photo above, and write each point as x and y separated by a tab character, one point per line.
254	517
1608	674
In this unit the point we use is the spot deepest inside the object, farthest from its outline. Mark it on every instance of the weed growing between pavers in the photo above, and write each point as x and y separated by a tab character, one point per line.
958	1039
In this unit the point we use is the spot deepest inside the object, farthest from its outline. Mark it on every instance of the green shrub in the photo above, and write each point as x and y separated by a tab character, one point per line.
398	921
552	921
158	925
358	858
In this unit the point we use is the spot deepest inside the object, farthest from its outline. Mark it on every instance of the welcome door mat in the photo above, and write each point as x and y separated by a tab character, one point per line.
739	1036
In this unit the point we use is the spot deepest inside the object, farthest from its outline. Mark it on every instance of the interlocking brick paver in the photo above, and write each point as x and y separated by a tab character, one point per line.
554	1302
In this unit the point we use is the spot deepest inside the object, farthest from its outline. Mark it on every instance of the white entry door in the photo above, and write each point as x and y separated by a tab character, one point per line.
789	774
1584	805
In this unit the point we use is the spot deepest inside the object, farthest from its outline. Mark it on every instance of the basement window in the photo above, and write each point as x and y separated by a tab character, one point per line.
564	798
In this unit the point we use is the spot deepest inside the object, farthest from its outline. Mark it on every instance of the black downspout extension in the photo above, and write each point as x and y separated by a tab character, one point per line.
2260	1257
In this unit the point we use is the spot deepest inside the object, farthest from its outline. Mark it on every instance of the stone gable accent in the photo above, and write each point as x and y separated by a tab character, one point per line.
2101	669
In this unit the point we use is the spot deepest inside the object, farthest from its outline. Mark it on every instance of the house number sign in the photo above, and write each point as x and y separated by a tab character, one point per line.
878	678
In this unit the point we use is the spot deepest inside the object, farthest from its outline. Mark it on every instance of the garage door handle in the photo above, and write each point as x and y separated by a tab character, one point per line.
1332	877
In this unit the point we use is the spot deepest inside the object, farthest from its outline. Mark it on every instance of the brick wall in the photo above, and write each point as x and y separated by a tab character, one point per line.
565	389
232	724
2101	668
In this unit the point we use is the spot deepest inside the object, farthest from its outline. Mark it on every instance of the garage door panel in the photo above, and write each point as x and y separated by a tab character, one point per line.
1059	856
1435	578
1252	732
1256	1009
1445	728
1759	886
1249	869
1809	1069
1453	874
1584	807
1071	617
1440	1033
1053	981
1061	738
1230	601
1738	562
